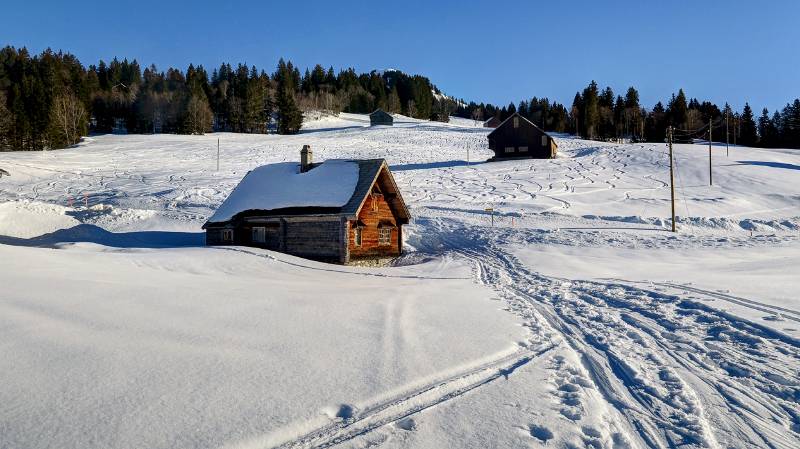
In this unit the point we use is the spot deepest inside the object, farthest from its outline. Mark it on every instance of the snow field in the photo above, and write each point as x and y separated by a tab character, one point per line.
208	348
614	333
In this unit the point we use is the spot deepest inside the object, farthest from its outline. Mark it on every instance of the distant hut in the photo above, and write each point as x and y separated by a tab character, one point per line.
380	117
440	117
493	122
341	210
518	137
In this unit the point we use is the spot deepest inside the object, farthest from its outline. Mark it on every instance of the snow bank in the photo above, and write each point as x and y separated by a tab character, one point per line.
277	186
210	348
26	219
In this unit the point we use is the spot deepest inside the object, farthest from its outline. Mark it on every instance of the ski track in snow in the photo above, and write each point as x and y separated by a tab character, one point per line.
657	358
398	408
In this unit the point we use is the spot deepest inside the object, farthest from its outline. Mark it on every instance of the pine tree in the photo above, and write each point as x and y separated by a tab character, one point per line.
576	114
749	136
633	117
511	109
591	111
767	131
677	110
290	119
656	124
5	124
790	129
619	117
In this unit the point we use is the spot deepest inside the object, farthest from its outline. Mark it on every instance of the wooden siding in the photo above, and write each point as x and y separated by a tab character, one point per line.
524	141
374	213
310	237
314	239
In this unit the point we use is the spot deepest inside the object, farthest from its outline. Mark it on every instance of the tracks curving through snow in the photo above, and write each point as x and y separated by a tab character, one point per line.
414	401
680	373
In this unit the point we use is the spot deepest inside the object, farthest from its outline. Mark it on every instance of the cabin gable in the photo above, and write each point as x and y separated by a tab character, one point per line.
376	231
517	137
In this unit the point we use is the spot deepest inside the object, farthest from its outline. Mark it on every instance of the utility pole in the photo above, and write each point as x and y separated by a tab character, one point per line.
217	154
710	179
671	177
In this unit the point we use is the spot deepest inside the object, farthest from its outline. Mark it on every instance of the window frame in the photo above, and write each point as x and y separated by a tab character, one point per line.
545	141
516	122
385	240
523	149
358	236
227	235
261	232
508	150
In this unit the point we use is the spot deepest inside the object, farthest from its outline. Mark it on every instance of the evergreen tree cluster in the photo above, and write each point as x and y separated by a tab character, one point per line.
546	114
779	130
51	100
599	115
43	100
392	90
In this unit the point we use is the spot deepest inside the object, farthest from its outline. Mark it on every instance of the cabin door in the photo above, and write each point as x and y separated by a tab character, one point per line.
272	235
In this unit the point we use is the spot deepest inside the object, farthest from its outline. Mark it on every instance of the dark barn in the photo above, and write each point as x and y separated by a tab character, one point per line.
440	117
517	137
337	211
380	117
493	122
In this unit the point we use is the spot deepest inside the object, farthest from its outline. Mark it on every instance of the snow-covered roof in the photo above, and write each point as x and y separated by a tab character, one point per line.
281	185
379	111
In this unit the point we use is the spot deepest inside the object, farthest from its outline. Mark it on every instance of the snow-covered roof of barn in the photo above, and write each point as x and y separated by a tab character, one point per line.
279	186
336	186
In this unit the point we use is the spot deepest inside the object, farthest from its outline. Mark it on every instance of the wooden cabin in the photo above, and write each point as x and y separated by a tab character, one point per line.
380	117
493	122
338	211
440	117
517	137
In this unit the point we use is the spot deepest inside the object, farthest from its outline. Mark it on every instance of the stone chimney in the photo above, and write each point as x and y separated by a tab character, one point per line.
306	158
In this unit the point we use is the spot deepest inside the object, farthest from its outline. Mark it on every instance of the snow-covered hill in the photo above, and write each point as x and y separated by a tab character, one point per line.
565	315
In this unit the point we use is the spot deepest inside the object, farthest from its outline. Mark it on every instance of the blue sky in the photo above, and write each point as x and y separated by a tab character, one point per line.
499	51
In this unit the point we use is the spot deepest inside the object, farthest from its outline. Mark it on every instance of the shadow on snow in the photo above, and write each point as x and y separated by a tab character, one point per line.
431	165
771	164
87	233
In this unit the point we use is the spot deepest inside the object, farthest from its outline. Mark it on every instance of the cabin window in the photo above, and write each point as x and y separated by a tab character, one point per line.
523	149
509	149
227	235
357	236
544	141
516	122
259	235
385	236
